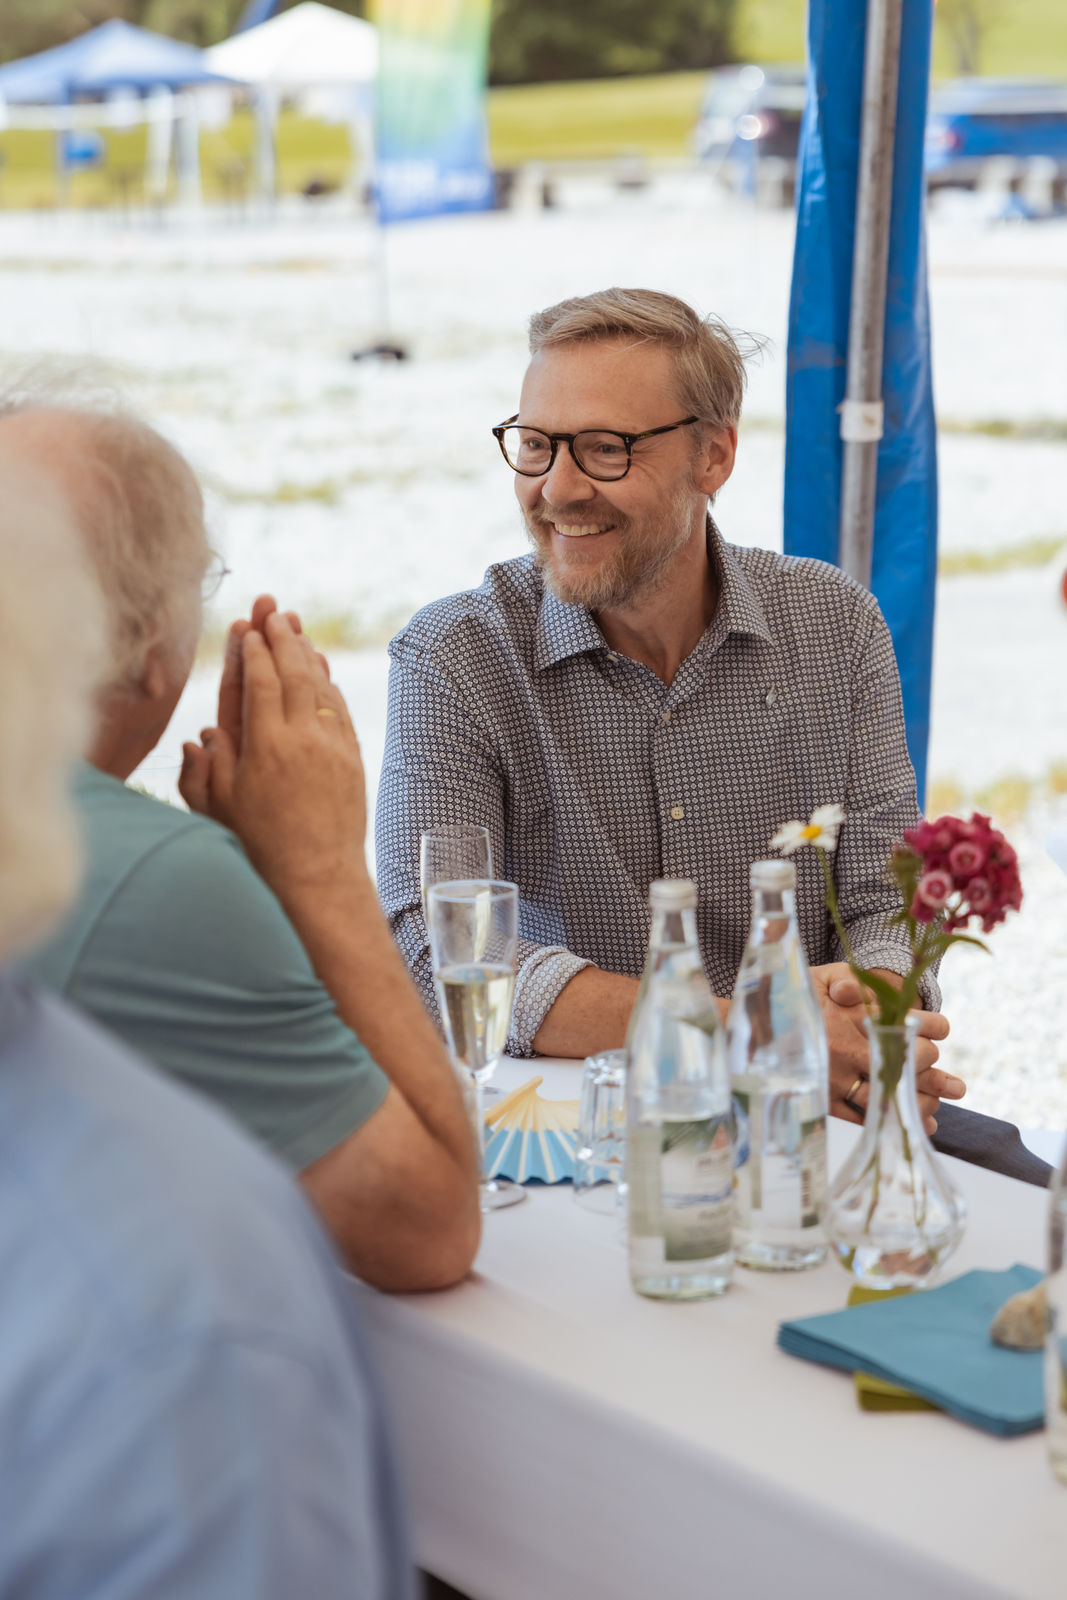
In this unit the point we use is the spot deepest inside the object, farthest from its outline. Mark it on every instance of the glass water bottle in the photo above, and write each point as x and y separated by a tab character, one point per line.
779	1075
1056	1335
679	1154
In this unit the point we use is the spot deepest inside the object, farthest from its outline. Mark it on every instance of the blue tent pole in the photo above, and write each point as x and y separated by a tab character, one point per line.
903	570
862	411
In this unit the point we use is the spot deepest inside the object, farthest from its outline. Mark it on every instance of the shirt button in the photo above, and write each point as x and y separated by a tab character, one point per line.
771	697
666	716
677	812
612	658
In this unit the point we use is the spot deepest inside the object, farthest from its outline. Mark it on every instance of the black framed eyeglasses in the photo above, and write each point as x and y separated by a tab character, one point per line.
598	452
211	582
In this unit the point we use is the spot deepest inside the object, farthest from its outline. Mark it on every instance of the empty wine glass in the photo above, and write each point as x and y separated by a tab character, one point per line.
453	851
474	933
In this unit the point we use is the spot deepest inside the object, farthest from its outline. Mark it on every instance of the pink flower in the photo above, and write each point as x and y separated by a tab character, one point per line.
972	858
980	895
965	859
934	888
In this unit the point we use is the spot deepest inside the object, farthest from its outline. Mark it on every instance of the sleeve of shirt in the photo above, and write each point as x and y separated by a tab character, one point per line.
213	1467
880	803
441	766
194	964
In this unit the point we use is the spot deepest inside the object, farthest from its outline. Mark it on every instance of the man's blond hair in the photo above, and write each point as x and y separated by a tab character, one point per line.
141	514
51	650
708	360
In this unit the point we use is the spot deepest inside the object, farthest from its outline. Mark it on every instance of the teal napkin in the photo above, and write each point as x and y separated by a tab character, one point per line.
937	1344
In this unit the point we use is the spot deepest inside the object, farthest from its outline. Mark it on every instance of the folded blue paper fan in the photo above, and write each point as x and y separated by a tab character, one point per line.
530	1139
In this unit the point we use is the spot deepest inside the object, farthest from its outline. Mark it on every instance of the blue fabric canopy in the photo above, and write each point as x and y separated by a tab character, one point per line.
905	531
114	56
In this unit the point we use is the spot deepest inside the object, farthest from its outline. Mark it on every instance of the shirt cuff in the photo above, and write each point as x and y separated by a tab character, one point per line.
538	983
893	959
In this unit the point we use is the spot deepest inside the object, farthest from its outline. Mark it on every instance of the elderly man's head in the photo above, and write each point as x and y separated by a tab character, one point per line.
140	514
51	653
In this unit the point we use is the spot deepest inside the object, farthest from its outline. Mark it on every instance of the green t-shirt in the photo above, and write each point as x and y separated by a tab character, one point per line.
178	946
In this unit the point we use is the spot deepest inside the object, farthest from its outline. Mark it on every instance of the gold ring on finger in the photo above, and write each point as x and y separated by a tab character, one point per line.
325	711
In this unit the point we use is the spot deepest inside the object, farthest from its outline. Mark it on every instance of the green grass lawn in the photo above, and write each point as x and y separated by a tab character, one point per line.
536	122
307	149
556	121
1028	37
561	121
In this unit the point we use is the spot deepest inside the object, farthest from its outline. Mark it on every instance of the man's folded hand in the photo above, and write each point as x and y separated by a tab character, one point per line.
292	788
844	1014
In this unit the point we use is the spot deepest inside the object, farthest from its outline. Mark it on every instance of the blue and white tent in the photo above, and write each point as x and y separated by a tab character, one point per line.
114	56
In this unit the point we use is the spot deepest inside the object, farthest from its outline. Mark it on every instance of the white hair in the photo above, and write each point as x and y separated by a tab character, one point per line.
141	513
51	653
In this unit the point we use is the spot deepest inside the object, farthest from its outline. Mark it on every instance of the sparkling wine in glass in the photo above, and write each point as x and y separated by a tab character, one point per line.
474	932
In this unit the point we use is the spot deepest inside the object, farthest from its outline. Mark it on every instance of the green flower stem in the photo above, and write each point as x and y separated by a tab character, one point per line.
832	906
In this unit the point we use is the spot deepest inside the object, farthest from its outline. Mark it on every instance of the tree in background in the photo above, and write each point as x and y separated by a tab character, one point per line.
532	41
554	39
27	26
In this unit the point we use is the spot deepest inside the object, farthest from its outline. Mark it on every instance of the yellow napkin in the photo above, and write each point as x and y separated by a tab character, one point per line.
875	1394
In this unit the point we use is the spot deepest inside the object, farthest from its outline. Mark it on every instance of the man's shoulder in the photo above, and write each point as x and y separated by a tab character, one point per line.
801	588
142	857
163	1272
506	604
141	1190
770	569
124	823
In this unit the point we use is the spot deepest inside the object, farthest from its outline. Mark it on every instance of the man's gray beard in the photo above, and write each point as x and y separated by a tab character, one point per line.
634	575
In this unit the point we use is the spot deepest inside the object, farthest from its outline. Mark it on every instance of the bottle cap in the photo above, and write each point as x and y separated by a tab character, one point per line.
672	894
773	875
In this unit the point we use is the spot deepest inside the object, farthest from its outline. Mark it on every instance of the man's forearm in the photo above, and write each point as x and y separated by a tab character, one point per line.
592	1013
348	942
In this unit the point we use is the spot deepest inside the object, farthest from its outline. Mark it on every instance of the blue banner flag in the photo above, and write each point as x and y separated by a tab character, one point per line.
433	149
905	532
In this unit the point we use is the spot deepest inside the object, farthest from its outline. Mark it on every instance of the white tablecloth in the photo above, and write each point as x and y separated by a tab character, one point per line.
564	1439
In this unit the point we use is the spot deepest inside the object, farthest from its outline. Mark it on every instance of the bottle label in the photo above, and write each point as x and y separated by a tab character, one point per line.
781	1183
696	1183
812	1172
747	1138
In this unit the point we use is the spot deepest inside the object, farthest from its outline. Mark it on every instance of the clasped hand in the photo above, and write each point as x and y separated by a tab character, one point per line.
844	1013
282	769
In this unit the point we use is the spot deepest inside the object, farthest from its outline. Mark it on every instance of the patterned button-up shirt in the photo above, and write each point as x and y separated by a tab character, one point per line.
507	708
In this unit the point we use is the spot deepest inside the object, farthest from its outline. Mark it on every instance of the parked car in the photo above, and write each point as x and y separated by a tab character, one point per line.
975	119
749	114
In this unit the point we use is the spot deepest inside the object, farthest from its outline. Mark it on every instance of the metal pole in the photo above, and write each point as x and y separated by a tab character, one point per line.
265	105
861	413
188	152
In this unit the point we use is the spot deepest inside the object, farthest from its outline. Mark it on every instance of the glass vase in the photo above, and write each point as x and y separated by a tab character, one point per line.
895	1214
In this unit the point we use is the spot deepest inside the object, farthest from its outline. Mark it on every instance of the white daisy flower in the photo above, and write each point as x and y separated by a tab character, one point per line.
820	831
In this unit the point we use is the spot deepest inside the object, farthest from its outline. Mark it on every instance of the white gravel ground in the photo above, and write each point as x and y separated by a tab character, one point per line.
363	490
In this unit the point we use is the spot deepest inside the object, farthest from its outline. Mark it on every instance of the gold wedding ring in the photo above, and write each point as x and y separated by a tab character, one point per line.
325	711
848	1098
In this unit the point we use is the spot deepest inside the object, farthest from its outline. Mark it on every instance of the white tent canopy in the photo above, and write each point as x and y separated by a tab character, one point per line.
310	46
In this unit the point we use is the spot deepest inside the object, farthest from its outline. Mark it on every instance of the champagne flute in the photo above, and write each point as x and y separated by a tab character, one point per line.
450	852
474	933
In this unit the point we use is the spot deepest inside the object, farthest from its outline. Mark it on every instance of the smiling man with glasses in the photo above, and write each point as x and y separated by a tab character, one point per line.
638	699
